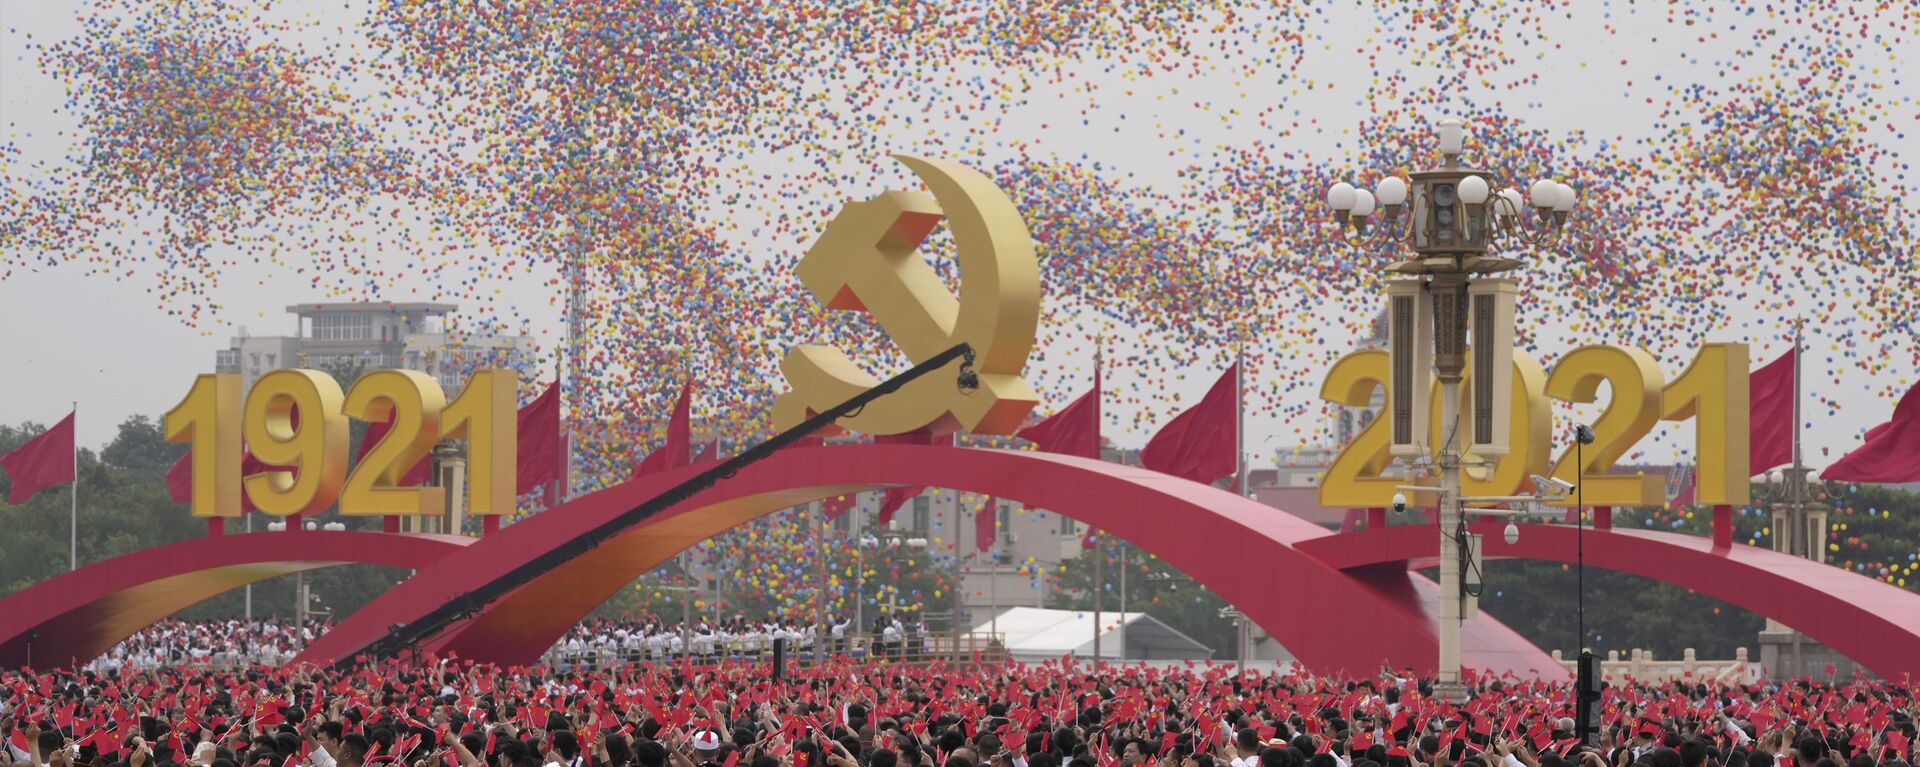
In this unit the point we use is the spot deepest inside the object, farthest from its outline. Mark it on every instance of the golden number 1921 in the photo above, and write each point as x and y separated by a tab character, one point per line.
295	423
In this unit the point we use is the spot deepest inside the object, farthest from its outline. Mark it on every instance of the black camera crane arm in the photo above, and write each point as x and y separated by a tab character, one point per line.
471	602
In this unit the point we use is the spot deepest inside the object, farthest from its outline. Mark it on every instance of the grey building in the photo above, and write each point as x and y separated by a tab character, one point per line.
374	335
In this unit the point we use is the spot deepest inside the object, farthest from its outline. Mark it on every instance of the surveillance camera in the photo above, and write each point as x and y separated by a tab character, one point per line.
1551	485
1583	434
1399	501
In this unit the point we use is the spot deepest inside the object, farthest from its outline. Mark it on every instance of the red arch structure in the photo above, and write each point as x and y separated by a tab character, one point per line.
74	617
1247	552
1872	622
1339	601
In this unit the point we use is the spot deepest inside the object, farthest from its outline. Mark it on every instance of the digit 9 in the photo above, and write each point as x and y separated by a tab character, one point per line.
293	420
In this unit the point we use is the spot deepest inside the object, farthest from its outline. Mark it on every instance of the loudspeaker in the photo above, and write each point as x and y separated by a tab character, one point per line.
1489	397
1410	366
779	658
1586	685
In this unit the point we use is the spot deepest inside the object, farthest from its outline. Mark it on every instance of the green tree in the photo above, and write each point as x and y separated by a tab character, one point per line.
124	507
891	577
1873	532
1153	587
1624	612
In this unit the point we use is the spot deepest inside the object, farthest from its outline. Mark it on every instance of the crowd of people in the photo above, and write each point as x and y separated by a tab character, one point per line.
596	643
218	642
426	712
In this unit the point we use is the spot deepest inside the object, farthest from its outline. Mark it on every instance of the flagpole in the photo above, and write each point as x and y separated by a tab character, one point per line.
1239	413
1798	542
993	577
1099	542
73	528
1120	631
1796	392
565	482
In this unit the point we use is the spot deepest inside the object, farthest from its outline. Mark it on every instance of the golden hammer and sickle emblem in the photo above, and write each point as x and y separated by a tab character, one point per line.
866	260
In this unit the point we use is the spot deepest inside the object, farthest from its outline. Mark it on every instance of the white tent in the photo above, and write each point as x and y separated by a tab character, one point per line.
1037	635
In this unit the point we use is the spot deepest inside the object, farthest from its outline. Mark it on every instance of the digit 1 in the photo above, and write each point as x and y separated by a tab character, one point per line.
483	415
1713	392
208	421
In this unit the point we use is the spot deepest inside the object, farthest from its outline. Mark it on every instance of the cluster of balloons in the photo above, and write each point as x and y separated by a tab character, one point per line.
669	163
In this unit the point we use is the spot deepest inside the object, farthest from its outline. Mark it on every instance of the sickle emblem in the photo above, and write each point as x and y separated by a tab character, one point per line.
867	261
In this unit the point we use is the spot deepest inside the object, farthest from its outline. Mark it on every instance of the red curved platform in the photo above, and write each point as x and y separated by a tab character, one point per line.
1243	550
75	617
1339	601
1872	622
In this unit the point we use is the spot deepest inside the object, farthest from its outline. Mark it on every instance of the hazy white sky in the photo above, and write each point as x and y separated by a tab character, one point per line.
105	341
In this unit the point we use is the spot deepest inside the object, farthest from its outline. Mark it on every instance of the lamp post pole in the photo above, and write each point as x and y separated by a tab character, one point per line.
1799	519
1099	591
1442	290
1452	520
1240	637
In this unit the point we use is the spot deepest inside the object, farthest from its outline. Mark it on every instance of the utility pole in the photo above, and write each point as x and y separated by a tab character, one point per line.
859	573
299	599
247	600
1240	636
993	581
820	572
1121	630
958	588
1099	589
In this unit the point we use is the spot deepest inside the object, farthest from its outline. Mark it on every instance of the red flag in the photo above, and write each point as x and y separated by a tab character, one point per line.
896	497
984	522
839	504
1075	430
250	466
1892	455
1684	496
678	451
376	431
1199	443
180	479
44	461
1770	415
539	441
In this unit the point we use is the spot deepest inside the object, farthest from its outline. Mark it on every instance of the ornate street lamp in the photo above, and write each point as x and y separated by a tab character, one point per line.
1434	297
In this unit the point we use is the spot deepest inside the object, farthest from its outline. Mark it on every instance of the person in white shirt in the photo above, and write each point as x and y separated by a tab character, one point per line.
840	635
890	640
